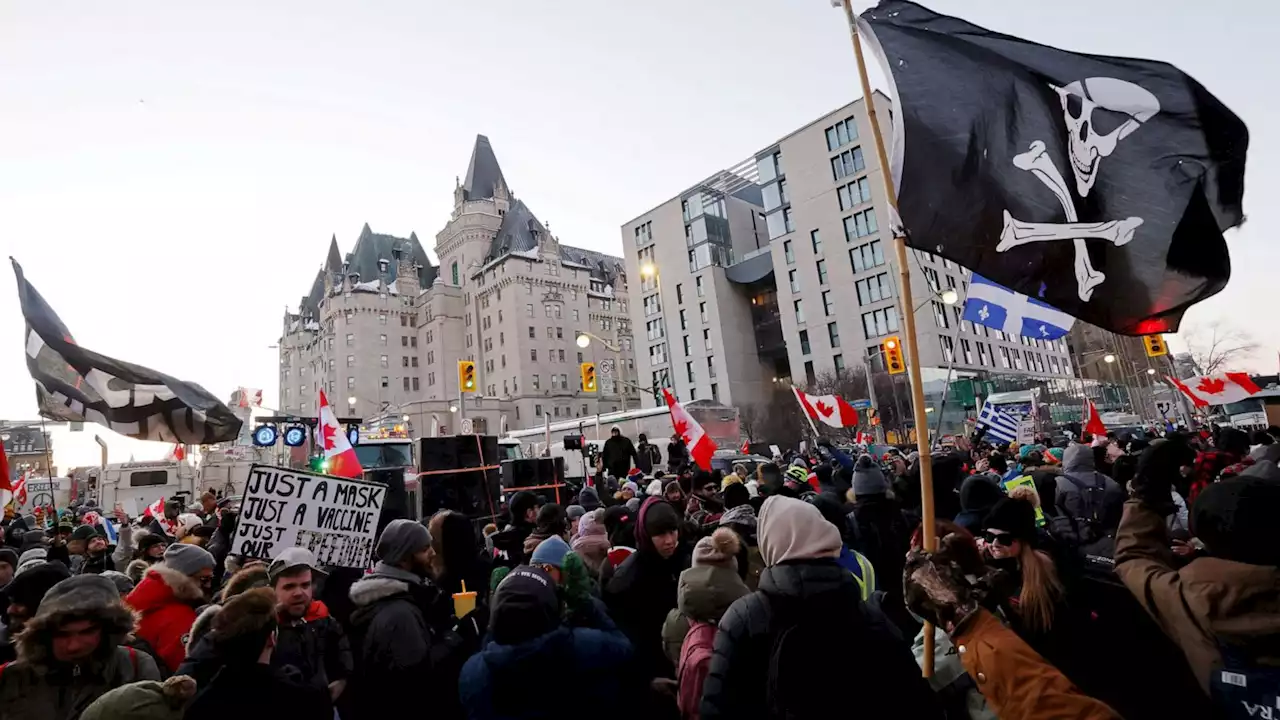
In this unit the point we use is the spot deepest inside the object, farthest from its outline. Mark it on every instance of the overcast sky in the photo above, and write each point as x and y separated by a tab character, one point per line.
170	173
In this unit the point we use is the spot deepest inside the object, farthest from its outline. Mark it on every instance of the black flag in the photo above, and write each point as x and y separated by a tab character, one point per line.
1100	185
76	385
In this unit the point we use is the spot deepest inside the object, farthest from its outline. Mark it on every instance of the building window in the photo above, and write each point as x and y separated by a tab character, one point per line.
644	234
822	272
804	342
382	318
1004	357
878	323
866	256
833	333
861	224
874	289
684	320
706	339
651	305
788	252
414	361
384	381
685	343
793	281
533	354
351	383
826	303
940	314
809	376
657	354
838	361
528	310
842	133
536	382
982	354
382	340
769	167
799	306
382	361
351	361
406	384
847	163
655	329
816	240
948	348
967	348
537	410
575	314
854	194
702	310
454	268
688	369
351	340
697	282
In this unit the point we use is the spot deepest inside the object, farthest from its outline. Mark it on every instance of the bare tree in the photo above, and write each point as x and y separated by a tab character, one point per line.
751	419
1219	348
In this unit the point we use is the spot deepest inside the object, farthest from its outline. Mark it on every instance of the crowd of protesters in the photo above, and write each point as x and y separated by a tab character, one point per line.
1125	576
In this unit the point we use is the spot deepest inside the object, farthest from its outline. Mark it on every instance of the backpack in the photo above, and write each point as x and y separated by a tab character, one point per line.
797	683
1240	688
1088	518
695	663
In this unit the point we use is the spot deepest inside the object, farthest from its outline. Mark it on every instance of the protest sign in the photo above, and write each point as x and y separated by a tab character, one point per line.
335	518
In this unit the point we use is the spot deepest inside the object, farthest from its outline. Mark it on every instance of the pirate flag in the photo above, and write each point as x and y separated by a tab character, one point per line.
75	385
1098	185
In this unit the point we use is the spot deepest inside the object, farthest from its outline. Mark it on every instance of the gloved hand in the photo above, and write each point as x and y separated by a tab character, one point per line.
946	587
1158	466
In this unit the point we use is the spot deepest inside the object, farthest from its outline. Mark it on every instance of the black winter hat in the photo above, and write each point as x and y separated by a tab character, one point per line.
736	494
520	503
525	606
84	532
1235	519
1014	516
10	556
980	492
28	588
660	518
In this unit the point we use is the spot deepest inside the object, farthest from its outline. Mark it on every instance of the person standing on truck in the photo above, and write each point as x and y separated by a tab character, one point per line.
648	455
677	454
618	453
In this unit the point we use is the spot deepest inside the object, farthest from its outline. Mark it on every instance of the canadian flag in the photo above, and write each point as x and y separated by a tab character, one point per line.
20	490
1092	423
865	438
179	452
701	446
155	509
337	448
6	485
746	447
827	409
1220	389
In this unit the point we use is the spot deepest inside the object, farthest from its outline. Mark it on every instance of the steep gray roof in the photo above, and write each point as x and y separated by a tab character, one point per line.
483	173
520	233
363	259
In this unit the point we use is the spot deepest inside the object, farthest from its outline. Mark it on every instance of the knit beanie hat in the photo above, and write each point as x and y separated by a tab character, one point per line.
574	512
84	532
655	488
148	540
736	494
660	518
1014	516
550	552
1235	519
525	606
29	587
10	557
589	499
400	539
122	581
629	485
240	630
145	700
720	548
633	504
743	515
867	478
188	559
979	493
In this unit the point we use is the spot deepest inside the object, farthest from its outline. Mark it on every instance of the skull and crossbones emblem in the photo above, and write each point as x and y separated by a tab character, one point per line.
1087	147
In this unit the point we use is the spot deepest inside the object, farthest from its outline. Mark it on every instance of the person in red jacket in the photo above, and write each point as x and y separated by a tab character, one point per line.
167	598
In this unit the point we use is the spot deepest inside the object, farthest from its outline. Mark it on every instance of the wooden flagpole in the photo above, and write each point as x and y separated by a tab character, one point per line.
909	319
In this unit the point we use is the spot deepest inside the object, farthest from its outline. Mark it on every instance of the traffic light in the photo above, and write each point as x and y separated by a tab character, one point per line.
1155	345
588	377
319	464
467	375
893	361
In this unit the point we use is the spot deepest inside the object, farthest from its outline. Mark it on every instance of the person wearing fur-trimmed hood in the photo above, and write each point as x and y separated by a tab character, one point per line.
56	681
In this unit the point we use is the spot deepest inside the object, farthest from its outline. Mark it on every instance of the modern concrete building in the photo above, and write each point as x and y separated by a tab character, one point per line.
383	329
786	273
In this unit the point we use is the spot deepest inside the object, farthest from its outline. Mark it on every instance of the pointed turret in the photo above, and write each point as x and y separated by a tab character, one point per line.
333	261
484	176
366	231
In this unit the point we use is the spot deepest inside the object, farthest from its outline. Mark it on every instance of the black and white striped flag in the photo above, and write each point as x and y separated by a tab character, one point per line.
76	385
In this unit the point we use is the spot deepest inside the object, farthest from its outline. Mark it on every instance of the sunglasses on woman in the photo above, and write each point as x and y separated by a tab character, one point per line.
1001	539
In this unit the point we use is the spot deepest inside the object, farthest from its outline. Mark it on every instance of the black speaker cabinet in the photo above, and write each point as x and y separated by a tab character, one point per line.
537	474
395	504
455	479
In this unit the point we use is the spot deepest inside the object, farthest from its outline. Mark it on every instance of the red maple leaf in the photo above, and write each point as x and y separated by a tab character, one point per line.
822	408
1211	386
327	432
682	429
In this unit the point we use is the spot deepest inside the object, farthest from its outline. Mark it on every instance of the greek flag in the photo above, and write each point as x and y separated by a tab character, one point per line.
998	307
111	531
998	423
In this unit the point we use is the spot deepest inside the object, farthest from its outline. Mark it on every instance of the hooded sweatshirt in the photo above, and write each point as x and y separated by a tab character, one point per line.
1094	501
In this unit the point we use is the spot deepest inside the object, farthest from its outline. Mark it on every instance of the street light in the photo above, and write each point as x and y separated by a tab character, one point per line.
584	340
648	270
950	296
404	418
1151	371
1108	358
453	408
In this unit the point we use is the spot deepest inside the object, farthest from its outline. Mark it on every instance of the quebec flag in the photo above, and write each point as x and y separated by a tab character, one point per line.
1000	308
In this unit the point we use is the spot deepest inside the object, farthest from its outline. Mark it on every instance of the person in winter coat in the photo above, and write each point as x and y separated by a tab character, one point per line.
144	700
247	687
589	499
167	598
404	638
1228	598
618	453
978	494
742	520
806	630
309	643
457	557
644	588
677	454
551	521
947	588
704	507
148	550
71	652
883	536
648	456
531	654
592	542
509	543
706	591
1091	500
864	573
